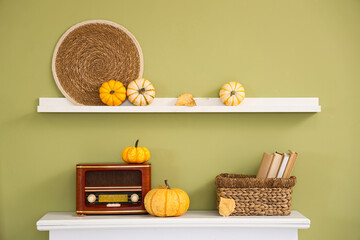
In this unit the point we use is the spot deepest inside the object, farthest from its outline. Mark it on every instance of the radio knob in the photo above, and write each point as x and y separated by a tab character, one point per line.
134	197
91	198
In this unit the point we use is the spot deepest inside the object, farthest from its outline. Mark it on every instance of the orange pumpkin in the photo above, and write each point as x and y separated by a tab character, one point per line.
112	93
136	154
166	202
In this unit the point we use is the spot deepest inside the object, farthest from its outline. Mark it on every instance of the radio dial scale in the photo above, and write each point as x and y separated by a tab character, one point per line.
101	198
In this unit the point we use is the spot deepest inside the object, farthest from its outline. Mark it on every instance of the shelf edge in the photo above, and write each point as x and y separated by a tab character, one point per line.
205	105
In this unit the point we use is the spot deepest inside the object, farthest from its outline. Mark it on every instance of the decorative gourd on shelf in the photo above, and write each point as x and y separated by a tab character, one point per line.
166	202
141	92
112	93
232	93
136	154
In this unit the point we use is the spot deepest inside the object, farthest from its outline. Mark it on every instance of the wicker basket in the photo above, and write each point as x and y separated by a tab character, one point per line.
256	196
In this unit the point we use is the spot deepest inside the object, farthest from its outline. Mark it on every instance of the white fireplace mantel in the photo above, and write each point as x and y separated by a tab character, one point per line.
197	225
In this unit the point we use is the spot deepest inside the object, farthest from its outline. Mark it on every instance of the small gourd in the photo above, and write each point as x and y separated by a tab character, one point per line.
136	154
232	93
166	202
112	93
141	92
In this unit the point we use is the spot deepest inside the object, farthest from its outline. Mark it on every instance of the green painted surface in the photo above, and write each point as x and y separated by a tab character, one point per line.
275	48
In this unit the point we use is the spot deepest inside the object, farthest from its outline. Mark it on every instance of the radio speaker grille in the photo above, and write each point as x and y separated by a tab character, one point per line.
113	178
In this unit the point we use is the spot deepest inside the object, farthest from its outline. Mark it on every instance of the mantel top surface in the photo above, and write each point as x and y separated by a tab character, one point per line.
68	220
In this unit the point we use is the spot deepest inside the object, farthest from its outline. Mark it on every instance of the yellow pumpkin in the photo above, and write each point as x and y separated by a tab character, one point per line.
136	154
166	201
232	93
112	93
141	92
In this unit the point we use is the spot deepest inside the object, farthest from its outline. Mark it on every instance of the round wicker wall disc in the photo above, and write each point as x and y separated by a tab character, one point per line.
91	53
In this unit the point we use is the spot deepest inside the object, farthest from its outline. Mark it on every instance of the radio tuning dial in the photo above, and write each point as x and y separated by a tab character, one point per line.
91	198
134	197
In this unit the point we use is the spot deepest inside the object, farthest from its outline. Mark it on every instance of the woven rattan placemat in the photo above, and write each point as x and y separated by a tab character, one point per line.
91	53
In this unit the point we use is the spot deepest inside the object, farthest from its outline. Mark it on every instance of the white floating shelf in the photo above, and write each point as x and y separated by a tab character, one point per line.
204	105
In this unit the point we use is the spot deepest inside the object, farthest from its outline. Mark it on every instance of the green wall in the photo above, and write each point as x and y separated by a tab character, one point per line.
276	48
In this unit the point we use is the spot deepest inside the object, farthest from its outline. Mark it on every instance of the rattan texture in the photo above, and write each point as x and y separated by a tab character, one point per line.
254	196
91	53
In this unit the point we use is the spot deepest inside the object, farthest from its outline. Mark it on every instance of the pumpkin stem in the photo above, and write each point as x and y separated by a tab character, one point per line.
167	184
136	144
233	92
112	92
141	91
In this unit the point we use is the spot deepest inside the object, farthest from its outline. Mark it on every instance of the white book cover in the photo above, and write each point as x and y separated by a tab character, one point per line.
283	165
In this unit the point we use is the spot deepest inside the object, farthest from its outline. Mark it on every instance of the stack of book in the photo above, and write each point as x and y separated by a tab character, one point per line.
277	165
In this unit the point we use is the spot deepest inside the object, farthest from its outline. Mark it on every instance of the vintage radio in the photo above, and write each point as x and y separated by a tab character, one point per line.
112	188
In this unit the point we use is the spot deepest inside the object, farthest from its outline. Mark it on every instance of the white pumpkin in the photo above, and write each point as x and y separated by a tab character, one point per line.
232	93
141	92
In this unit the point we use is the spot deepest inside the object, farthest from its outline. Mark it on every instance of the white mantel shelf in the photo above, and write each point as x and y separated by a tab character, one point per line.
193	219
191	225
204	105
